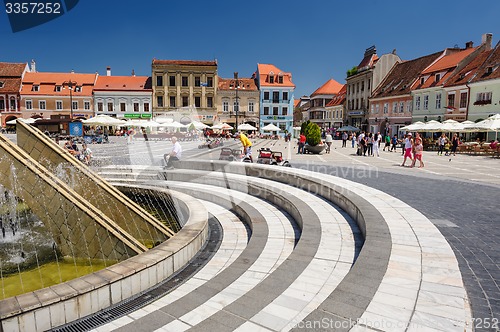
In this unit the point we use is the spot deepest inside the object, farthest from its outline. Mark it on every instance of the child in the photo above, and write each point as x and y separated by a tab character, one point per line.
447	147
419	150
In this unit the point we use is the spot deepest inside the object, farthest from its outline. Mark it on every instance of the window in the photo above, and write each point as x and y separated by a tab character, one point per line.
172	101
401	107
463	100
99	107
285	96
483	98
159	101
78	88
266	110
185	101
368	86
197	81
284	111
225	107
357	87
123	107
408	106
236	107
395	107
250	107
210	82
136	107
2	84
280	79
451	100
377	108
110	107
184	81
75	105
29	104
386	108
146	107
2	104
271	78
13	104
426	102
58	88
86	105
422	81
171	80
417	103
438	101
41	105
210	102
372	109
276	97
266	95
35	88
362	86
275	110
197	101
438	77
159	80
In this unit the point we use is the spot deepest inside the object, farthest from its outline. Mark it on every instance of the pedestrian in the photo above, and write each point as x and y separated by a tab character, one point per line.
302	143
387	142
353	139
86	154
454	144
369	143
376	144
419	150
408	144
175	154
441	141
394	142
247	146
328	141
344	139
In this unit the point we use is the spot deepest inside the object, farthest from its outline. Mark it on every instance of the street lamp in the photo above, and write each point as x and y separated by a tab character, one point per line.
237	104
70	84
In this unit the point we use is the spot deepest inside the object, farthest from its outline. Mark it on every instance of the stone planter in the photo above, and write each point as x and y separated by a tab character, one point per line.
315	149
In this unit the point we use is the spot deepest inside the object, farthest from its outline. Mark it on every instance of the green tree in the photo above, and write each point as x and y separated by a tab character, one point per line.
303	126
313	134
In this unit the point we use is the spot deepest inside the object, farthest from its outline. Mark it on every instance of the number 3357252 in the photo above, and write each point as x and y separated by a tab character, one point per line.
32	8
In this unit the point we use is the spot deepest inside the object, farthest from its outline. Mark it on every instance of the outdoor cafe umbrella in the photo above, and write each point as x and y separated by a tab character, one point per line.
246	126
29	121
271	127
430	126
197	125
103	120
348	128
490	124
414	126
223	126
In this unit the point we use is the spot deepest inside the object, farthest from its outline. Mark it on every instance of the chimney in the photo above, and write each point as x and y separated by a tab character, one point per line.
486	39
133	72
72	71
108	71
469	44
370	51
33	66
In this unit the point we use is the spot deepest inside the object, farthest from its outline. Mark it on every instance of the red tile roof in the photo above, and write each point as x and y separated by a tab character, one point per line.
267	70
244	84
123	83
8	69
368	61
296	102
449	61
339	99
48	81
469	71
331	87
184	62
490	69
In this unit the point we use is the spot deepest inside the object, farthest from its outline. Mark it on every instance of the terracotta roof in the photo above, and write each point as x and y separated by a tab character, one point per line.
266	70
8	69
10	85
400	80
244	84
464	75
47	83
490	68
449	61
331	87
296	102
184	62
339	99
368	61
123	83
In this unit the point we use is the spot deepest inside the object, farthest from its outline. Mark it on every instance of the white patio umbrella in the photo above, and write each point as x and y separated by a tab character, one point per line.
414	126
430	126
223	126
29	121
451	126
246	126
197	125
466	126
174	125
490	124
151	124
103	120
271	127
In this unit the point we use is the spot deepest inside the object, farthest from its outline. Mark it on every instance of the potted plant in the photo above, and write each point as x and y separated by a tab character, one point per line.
313	138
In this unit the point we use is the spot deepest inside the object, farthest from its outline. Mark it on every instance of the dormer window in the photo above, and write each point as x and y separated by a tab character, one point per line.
280	79
78	88
58	88
438	77
489	70
271	79
35	88
422	81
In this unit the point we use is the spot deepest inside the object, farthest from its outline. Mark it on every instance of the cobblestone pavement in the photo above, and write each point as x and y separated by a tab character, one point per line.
459	194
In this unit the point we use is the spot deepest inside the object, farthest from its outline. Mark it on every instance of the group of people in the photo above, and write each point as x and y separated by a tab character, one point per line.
368	144
84	155
415	147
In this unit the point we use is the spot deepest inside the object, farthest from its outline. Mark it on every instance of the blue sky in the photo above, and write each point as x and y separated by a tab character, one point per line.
314	40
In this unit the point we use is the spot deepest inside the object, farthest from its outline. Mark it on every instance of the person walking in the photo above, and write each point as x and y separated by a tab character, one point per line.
408	147
387	143
441	141
175	154
247	146
344	139
419	150
369	144
302	143
353	139
328	141
454	144
376	144
394	142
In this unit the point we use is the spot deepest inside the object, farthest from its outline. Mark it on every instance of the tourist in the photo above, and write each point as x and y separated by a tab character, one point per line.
344	139
394	142
302	143
376	144
419	150
328	141
247	145
369	144
454	144
175	154
387	142
353	139
86	154
441	141
408	144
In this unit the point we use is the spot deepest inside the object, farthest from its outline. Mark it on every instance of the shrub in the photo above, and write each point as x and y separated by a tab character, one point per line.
313	134
303	127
